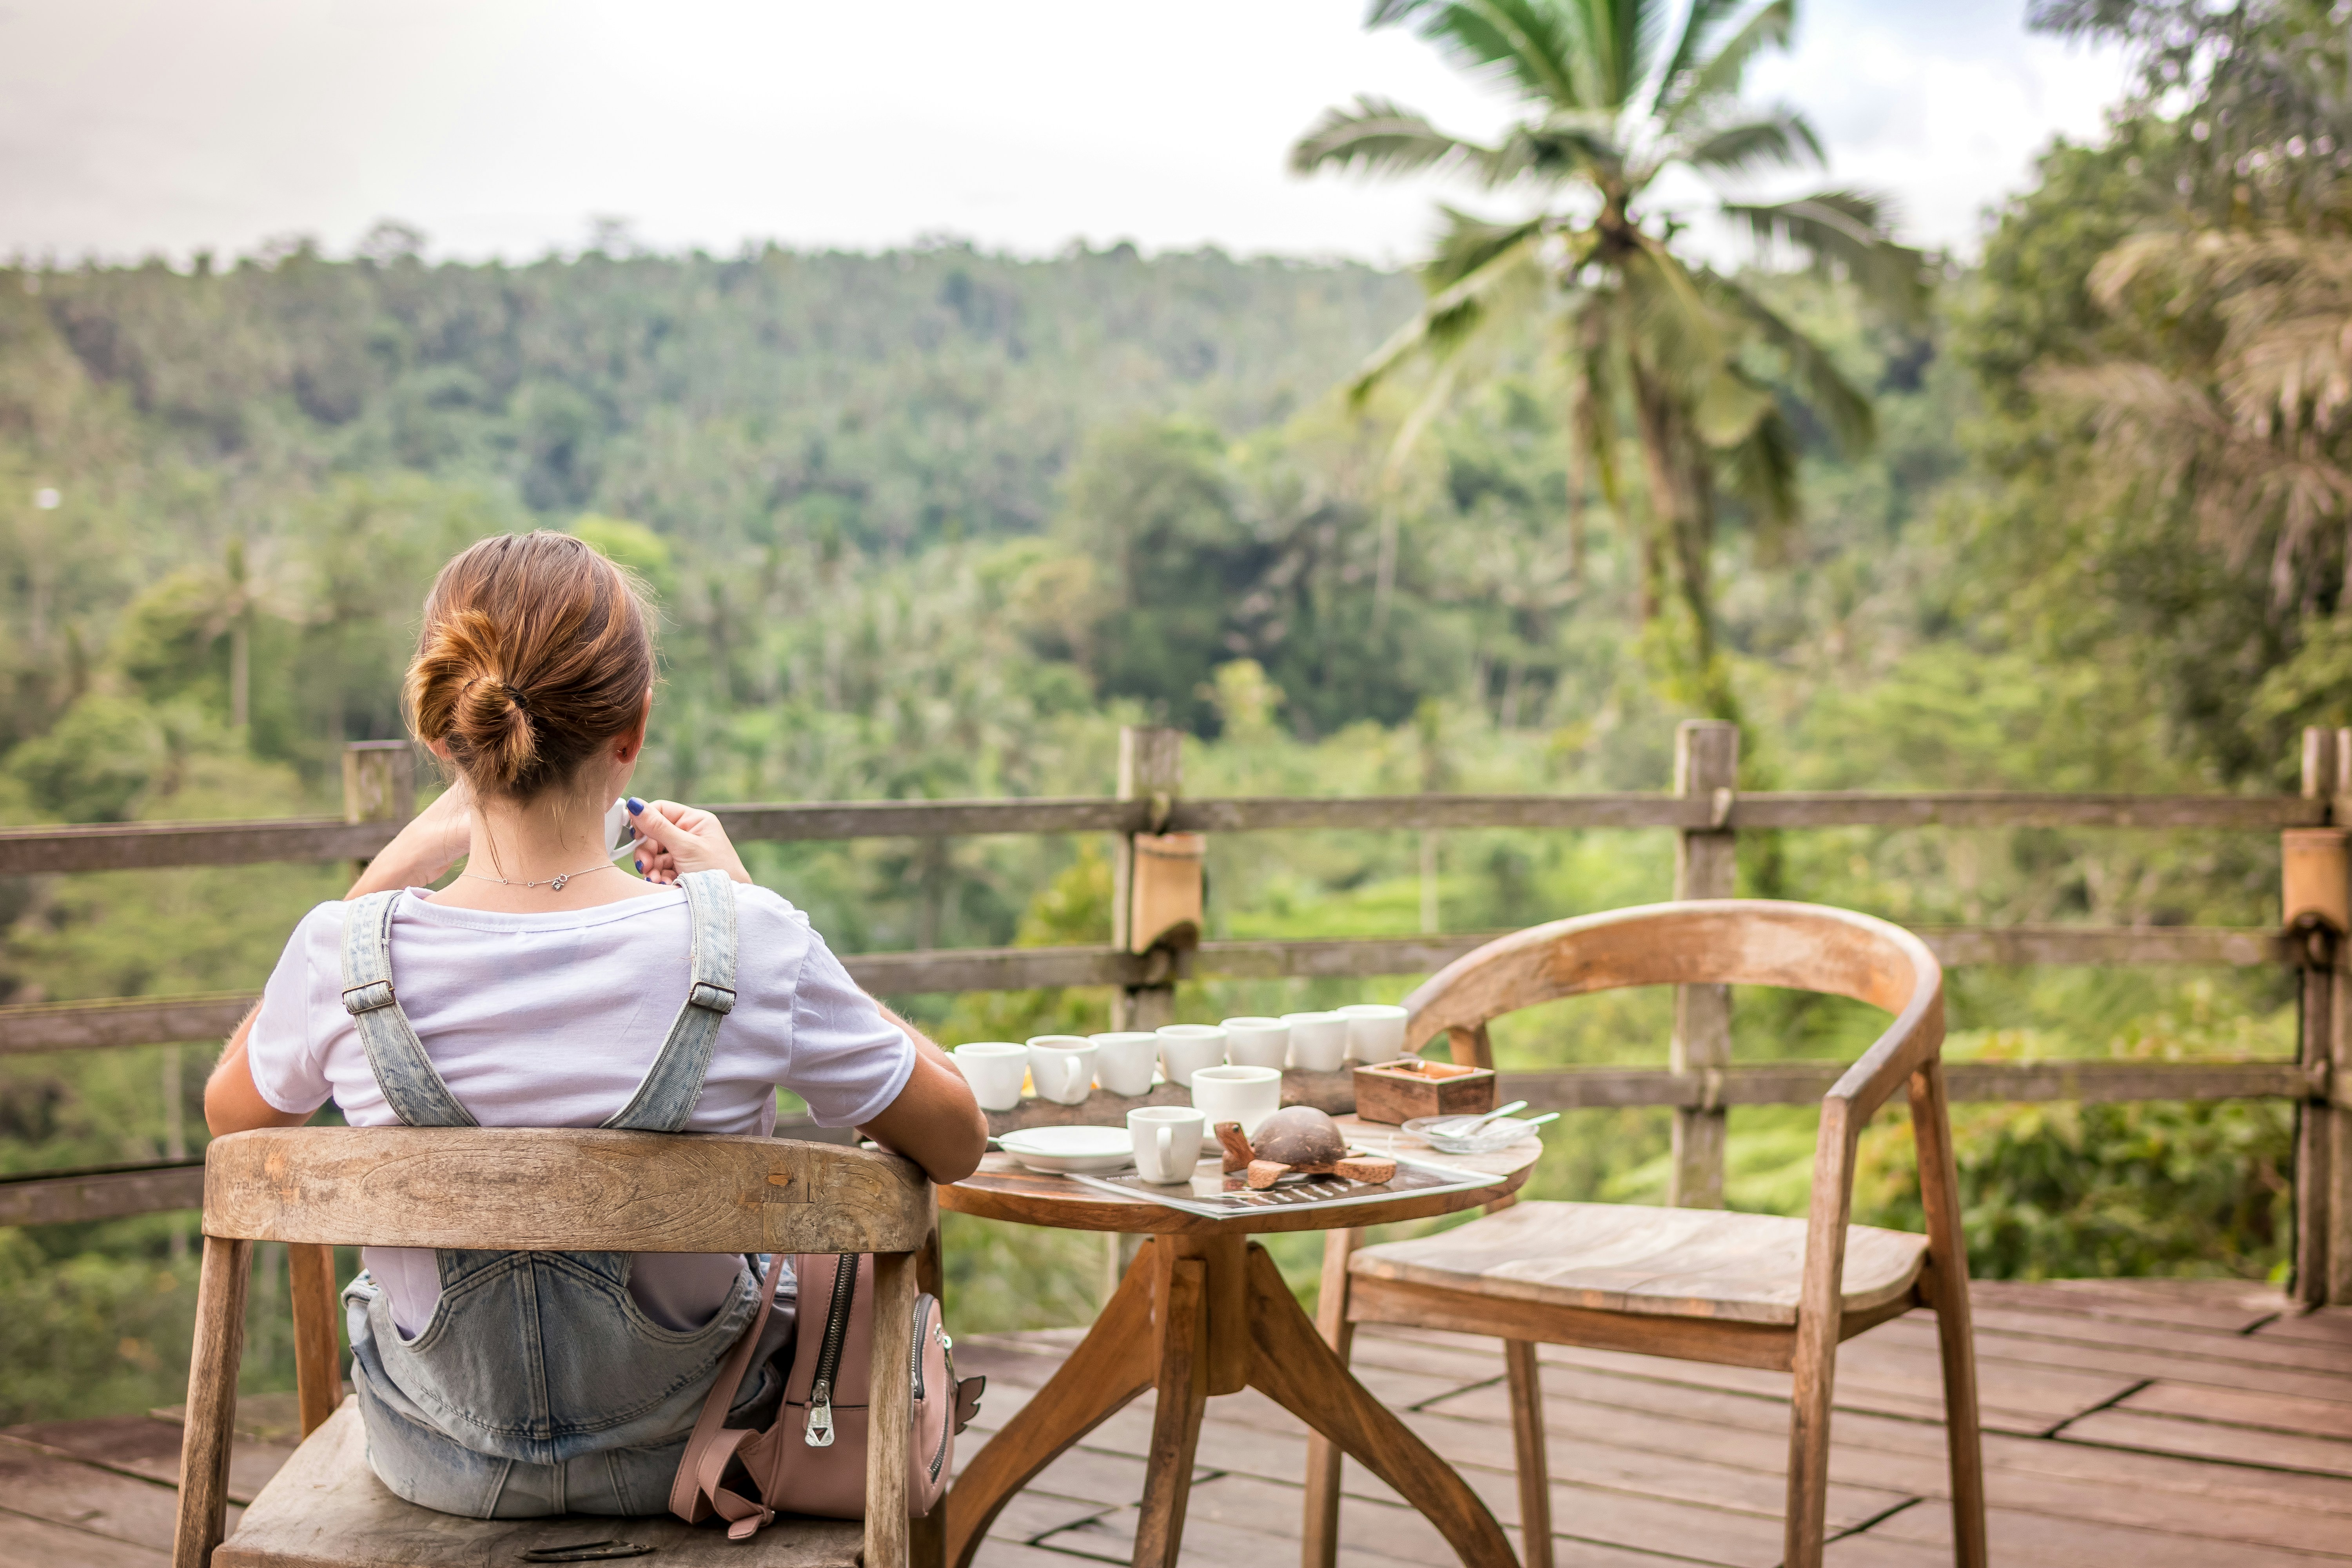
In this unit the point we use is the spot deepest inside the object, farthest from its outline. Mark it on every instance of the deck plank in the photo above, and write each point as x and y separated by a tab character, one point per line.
27	1542
2212	1440
144	1447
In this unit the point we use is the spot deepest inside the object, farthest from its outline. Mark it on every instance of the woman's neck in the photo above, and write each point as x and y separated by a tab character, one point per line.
520	850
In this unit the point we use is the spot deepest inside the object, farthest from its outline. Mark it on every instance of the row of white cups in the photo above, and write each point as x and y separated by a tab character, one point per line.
1233	1071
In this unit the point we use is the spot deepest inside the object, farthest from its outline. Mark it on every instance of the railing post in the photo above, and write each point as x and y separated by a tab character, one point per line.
1706	766
379	784
1150	768
2314	904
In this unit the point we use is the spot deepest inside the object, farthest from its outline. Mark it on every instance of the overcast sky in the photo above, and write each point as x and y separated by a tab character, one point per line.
502	126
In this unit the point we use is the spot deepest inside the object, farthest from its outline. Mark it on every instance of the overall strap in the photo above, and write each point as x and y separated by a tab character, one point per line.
411	1085
667	1096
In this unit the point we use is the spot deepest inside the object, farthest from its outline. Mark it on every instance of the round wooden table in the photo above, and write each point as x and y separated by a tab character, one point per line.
1203	1311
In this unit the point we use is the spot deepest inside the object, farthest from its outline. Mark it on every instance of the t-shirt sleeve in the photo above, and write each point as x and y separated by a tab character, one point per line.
287	1056
847	1061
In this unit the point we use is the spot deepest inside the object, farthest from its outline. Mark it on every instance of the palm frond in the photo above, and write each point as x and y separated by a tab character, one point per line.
1720	75
1495	259
1522	39
1843	232
1677	336
1381	136
1836	402
1698	27
1560	146
1762	471
1783	139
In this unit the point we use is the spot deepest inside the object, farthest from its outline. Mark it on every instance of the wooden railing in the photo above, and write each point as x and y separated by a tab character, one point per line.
1705	810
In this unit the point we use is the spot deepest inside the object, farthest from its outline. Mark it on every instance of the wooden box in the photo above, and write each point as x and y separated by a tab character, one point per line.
1400	1091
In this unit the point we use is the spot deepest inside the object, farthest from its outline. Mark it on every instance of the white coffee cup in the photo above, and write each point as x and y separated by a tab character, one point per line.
1375	1031
1244	1094
1257	1042
1186	1048
1061	1066
1318	1041
994	1068
1123	1061
1168	1141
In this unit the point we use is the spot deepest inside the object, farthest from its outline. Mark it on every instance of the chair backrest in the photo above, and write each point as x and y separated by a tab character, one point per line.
561	1189
1731	942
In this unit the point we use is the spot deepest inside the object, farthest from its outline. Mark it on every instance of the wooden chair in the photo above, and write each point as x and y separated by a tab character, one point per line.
553	1190
1700	1284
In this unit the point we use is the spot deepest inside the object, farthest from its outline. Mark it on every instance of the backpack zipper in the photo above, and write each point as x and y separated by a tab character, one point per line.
925	1306
828	1355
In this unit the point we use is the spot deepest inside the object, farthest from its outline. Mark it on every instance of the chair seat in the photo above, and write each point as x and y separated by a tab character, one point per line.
1627	1258
327	1510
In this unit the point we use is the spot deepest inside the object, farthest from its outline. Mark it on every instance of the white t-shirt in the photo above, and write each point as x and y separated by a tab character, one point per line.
549	1020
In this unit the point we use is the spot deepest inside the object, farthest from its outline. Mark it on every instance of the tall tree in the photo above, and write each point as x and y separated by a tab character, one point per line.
1659	346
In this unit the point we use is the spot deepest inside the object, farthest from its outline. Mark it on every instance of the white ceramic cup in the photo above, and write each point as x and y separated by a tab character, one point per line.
1169	1140
1243	1094
1318	1041
1061	1066
994	1068
1375	1031
1123	1061
1186	1048
1257	1042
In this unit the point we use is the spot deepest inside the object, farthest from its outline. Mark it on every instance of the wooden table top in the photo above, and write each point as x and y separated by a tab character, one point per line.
1003	1189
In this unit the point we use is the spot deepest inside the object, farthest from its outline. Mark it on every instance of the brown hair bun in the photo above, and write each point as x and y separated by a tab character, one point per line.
534	652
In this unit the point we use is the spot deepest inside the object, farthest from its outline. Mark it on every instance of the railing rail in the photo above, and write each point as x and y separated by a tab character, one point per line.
151	845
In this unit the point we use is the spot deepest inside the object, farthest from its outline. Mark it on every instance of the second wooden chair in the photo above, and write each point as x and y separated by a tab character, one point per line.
1742	1289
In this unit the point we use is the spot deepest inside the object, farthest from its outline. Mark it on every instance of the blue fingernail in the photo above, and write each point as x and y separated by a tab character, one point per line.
635	806
640	864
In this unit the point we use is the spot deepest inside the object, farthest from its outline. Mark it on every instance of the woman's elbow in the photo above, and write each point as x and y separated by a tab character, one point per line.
957	1154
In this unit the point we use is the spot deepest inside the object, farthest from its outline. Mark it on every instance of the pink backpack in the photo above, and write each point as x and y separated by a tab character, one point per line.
812	1461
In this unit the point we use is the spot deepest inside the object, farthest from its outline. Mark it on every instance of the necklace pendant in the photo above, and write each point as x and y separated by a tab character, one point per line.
557	884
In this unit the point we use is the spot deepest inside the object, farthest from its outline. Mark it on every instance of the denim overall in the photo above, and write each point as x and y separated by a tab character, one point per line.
539	1386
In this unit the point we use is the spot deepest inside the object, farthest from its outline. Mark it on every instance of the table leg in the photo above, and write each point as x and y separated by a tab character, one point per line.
1292	1365
1176	1421
1319	1540
1117	1361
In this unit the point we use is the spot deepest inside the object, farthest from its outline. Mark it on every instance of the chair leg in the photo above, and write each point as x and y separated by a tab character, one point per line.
1808	1450
1319	1544
1528	1445
221	1284
889	1408
1947	1292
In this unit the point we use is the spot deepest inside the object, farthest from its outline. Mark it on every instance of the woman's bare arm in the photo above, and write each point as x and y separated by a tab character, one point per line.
232	1104
934	1122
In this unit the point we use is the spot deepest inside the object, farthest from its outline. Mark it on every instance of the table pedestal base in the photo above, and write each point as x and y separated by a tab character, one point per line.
1194	1317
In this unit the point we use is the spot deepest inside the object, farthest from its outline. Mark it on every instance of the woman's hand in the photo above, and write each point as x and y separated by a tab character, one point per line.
422	853
673	839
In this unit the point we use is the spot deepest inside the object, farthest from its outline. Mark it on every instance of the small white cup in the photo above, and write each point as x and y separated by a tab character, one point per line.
994	1068
1186	1048
1169	1140
1318	1041
1123	1061
1243	1094
1375	1031
1257	1042
1061	1066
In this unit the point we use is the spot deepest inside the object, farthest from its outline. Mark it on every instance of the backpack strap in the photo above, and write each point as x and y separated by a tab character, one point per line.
696	1493
411	1085
667	1095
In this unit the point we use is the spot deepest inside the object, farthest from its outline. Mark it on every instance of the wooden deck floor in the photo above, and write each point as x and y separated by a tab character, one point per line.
2137	1424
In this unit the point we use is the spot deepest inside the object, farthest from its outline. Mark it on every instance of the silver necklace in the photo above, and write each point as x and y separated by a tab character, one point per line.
554	884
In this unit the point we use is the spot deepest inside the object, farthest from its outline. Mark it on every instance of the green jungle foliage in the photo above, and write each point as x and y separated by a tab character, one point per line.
936	523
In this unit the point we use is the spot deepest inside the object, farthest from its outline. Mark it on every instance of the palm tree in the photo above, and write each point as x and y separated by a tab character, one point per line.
1659	346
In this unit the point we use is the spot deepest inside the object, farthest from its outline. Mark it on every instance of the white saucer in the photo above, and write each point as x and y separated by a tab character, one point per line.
1056	1150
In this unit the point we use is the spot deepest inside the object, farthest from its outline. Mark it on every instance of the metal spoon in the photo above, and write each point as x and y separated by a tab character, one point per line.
1464	1128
